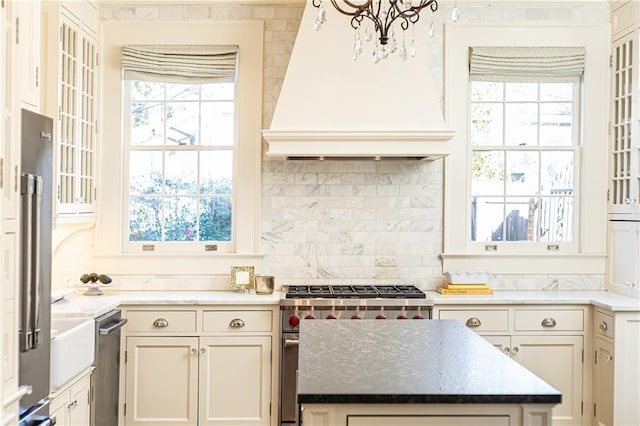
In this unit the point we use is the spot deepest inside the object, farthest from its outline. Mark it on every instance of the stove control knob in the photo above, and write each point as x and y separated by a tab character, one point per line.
380	316
418	316
402	317
310	316
355	316
331	316
294	320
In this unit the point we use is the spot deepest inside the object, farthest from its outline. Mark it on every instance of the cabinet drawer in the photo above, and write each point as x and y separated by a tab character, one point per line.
549	320
604	324
497	320
161	321
236	321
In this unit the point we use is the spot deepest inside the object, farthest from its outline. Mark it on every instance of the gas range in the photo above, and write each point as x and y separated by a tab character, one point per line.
352	302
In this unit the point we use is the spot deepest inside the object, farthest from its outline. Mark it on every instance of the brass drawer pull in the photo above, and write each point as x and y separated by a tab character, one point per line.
473	322
603	326
236	323
549	322
161	323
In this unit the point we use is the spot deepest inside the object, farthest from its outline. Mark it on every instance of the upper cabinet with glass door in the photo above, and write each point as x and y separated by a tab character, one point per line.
624	162
72	61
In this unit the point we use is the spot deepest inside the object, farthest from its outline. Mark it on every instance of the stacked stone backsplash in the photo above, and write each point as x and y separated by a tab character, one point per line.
344	221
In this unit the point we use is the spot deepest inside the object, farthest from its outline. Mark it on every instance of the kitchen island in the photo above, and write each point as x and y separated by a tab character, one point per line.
374	373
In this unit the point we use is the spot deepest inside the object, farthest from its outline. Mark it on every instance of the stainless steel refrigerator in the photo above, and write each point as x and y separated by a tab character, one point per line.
34	332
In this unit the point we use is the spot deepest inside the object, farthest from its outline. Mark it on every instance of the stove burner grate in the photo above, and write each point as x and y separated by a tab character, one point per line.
354	291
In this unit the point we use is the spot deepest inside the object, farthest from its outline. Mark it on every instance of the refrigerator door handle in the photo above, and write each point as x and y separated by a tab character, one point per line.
35	271
26	192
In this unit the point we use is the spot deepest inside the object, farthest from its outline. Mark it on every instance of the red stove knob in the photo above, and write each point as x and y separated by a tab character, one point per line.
294	320
310	316
331	316
402	317
418	316
380	316
355	316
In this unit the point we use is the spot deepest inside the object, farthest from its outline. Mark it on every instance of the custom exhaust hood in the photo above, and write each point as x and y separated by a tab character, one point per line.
332	107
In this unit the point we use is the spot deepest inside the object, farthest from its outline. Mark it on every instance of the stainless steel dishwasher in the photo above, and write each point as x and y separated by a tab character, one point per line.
107	369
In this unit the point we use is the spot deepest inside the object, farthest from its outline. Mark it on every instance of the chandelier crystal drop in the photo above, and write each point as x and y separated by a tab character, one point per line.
379	16
455	15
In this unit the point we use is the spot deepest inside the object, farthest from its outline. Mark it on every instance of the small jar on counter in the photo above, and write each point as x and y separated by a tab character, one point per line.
264	284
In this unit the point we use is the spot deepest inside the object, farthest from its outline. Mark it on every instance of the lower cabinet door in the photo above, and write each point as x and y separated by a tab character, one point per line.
558	361
603	383
235	381
503	343
162	381
72	406
60	408
80	404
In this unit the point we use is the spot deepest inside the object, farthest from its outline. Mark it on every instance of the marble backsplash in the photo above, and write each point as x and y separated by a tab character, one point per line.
337	221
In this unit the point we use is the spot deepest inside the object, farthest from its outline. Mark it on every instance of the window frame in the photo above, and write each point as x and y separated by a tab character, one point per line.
575	148
588	254
248	36
174	246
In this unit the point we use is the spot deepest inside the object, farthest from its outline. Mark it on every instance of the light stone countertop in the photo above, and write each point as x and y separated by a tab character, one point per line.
78	305
603	299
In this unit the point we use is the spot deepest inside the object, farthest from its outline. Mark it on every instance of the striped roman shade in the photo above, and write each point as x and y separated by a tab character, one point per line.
526	64
179	63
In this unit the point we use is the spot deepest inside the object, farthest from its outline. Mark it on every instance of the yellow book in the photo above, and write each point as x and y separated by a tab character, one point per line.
482	291
466	286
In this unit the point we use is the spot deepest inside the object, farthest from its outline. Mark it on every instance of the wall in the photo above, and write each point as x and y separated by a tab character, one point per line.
348	221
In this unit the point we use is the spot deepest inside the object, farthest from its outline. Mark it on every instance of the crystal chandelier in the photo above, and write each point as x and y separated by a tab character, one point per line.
380	15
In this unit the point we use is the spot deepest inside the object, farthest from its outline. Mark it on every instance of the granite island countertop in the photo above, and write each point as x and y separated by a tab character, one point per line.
417	362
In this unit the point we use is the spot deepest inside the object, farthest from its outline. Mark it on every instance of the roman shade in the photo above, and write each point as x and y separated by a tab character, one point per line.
179	63
526	64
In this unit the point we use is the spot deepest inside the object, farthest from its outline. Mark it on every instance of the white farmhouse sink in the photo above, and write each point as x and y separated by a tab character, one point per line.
72	348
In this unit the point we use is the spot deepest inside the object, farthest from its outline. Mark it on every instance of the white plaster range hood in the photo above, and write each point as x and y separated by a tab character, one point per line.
331	106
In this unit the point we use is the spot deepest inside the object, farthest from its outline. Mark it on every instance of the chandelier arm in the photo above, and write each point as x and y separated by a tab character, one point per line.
358	7
396	10
358	15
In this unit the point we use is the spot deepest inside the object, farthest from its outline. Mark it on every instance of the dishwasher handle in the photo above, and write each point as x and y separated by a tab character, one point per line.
114	327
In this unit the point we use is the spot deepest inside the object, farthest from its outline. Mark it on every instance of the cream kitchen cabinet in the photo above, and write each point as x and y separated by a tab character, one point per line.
198	367
426	414
9	148
161	380
624	162
72	403
623	268
28	63
549	341
9	391
10	394
72	61
616	369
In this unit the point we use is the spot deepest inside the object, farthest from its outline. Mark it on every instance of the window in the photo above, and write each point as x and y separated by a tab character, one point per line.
525	183
524	148
178	249
180	150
